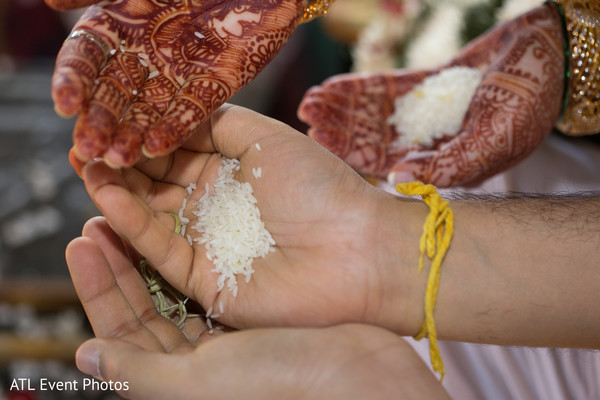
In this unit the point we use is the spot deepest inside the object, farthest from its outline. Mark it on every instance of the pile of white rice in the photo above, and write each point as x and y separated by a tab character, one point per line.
231	228
436	107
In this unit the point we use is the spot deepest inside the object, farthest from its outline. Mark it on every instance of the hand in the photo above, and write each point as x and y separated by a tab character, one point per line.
325	219
513	110
143	75
144	353
101	265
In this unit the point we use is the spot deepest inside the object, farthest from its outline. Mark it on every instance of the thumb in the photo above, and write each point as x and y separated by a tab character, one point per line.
76	163
131	371
418	166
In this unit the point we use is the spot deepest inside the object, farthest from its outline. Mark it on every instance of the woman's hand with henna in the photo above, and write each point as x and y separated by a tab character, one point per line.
514	108
144	74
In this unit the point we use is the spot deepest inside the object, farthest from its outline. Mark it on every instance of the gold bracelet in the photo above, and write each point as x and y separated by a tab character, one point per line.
314	9
581	114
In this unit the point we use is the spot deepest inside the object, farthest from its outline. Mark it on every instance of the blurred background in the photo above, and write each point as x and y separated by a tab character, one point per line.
43	204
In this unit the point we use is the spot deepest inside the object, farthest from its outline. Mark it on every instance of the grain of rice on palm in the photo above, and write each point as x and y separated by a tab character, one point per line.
230	227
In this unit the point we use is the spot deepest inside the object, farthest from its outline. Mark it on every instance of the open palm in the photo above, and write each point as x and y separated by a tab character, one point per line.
319	212
513	109
138	348
143	75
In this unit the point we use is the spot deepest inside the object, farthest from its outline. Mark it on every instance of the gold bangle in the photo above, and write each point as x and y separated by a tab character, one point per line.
581	114
314	9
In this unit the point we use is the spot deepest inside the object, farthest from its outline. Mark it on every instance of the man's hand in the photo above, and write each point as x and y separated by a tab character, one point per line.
324	218
143	355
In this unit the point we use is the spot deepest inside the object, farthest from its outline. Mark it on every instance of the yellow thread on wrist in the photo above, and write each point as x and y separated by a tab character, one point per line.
435	241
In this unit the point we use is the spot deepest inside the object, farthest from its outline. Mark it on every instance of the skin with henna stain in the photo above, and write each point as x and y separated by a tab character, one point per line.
513	110
143	75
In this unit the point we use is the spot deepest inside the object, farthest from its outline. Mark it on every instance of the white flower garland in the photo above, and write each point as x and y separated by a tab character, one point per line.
437	40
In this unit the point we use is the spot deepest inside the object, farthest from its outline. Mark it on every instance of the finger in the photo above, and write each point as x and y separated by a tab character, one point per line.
115	87
386	85
349	116
428	168
142	371
132	219
356	103
147	108
99	292
76	163
63	5
355	128
336	118
191	106
158	195
362	153
136	294
236	130
133	289
323	108
77	65
181	168
330	138
80	59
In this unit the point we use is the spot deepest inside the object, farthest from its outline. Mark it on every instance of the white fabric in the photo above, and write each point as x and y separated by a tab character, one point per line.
484	372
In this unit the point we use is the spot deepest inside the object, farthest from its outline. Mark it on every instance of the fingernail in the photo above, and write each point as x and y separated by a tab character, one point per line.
112	165
109	162
87	359
400	177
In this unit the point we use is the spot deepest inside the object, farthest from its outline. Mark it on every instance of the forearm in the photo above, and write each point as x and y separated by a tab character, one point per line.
518	272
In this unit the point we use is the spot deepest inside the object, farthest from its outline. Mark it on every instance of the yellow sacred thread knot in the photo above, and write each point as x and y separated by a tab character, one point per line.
436	238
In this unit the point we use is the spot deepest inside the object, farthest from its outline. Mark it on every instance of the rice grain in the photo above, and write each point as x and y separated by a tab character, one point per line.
436	107
231	228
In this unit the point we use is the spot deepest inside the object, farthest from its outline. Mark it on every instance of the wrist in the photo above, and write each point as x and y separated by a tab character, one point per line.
501	279
398	305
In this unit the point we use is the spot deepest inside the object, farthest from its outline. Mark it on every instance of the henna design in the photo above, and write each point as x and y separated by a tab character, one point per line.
513	109
349	113
146	109
189	108
115	88
205	51
77	65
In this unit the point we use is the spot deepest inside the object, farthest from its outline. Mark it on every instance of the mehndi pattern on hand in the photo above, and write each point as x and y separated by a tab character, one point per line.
512	112
143	75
